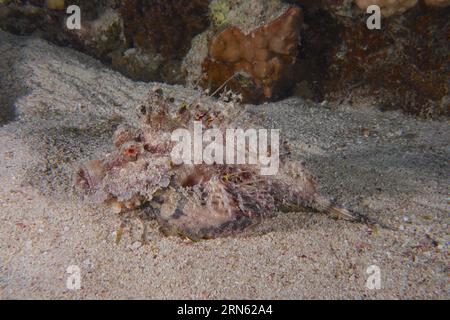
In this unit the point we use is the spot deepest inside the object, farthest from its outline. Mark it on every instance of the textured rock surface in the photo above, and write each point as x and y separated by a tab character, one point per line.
164	30
257	64
101	31
166	27
392	7
63	108
233	23
403	66
438	3
158	33
388	7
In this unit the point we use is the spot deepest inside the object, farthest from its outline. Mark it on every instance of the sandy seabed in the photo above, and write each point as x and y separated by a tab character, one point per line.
59	108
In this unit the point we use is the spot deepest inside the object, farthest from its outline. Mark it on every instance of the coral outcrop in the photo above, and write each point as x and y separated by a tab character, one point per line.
438	3
250	47
161	31
254	47
165	27
403	65
259	63
146	40
101	27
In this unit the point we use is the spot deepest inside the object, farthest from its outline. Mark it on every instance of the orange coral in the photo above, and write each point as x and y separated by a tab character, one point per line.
264	58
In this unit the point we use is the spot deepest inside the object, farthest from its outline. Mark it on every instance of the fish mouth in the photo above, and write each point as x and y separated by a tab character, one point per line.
194	177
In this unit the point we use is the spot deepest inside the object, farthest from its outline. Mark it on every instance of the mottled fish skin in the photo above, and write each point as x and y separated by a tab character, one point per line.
196	201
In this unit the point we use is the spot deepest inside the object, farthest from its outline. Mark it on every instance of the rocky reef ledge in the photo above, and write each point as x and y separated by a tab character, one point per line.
60	108
264	49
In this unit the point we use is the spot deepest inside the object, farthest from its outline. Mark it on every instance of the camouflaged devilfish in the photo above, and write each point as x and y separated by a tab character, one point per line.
197	201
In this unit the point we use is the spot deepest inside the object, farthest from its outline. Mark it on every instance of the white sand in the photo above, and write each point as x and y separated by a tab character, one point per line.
66	107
